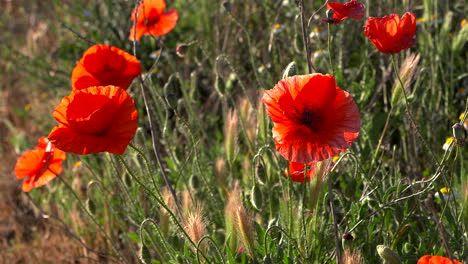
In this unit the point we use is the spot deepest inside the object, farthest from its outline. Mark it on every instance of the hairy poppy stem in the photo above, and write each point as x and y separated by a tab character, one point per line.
155	145
305	36
335	222
93	219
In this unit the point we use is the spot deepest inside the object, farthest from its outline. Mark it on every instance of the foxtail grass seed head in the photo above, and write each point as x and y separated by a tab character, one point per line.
317	180
231	131
249	117
195	226
407	72
164	217
187	202
388	255
352	257
233	201
220	170
243	222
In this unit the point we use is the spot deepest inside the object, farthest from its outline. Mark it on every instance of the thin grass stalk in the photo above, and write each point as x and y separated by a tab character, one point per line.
83	206
335	222
159	201
305	36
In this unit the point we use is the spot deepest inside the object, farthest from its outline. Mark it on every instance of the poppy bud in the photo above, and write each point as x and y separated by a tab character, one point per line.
144	254
220	86
458	133
388	255
260	173
91	206
256	197
194	182
181	49
347	240
127	179
227	6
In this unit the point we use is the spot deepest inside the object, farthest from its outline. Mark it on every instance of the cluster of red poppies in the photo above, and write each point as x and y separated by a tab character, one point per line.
314	119
98	115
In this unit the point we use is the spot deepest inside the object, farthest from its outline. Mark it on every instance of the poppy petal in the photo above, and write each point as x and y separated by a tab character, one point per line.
39	165
98	119
103	65
166	23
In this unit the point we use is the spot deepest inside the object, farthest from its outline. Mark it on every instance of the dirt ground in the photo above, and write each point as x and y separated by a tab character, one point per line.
27	235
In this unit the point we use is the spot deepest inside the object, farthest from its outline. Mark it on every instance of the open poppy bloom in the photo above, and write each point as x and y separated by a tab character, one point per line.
313	118
103	65
95	119
41	165
151	19
352	9
391	34
436	260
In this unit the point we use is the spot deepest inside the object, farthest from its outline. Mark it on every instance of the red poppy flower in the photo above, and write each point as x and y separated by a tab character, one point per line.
391	34
436	260
95	119
296	171
40	165
313	118
352	9
152	19
103	65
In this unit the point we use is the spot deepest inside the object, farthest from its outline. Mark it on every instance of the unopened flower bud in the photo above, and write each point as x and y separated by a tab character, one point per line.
388	255
458	133
181	49
347	240
256	197
144	254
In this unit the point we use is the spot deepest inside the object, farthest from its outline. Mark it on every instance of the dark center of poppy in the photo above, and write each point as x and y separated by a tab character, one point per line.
310	117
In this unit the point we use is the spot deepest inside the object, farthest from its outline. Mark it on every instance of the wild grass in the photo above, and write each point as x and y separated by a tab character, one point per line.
234	204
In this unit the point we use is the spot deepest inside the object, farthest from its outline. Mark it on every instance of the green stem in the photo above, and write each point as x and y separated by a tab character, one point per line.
329	49
158	200
408	112
335	222
83	206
